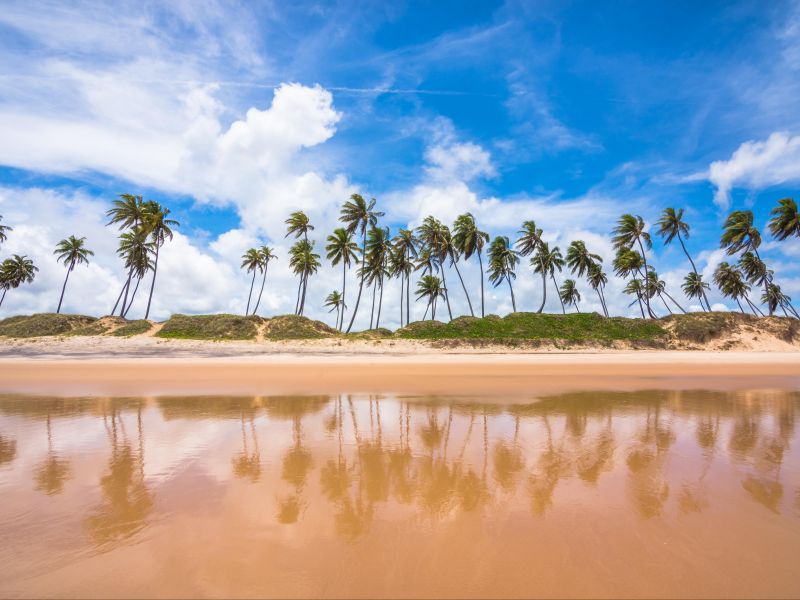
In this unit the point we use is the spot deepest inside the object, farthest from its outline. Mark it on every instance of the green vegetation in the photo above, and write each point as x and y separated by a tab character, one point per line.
98	327
534	326
130	328
295	327
43	324
211	327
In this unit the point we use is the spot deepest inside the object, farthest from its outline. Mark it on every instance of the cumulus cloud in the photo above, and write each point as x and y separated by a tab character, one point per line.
757	164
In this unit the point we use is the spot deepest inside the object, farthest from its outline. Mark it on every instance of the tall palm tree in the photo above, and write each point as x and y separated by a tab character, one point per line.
545	262
469	240
754	269
127	212
670	226
335	301
359	215
732	284
4	229
657	287
629	263
502	261
304	262
400	266
740	235
266	254
251	260
581	261
14	272
452	252
694	287
432	235
298	225
598	280
529	241
377	262
430	287
635	288
71	251
630	231
342	249
774	298
135	248
406	243
569	293
785	221
158	223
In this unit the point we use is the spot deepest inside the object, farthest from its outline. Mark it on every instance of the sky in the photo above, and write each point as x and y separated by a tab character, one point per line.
234	114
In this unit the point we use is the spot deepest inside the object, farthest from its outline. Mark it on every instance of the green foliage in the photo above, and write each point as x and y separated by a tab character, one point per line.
211	327
130	328
42	324
294	327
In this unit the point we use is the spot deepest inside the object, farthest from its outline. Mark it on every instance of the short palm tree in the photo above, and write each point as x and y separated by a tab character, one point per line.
451	251
774	298
71	251
342	249
359	215
569	293
598	280
694	287
127	212
158	223
433	236
135	248
785	221
670	226
754	269
4	229
629	263
304	262
14	272
431	288
732	284
657	287
502	261
635	288
580	260
630	231
266	254
377	264
298	225
335	302
251	261
546	262
406	242
469	240
740	235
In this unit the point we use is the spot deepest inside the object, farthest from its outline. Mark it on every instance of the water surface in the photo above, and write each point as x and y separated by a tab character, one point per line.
654	493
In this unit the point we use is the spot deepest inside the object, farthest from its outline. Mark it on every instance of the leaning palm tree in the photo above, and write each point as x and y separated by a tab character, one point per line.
430	287
581	261
732	284
670	226
406	243
469	240
635	288
694	287
657	287
342	249
359	215
785	221
71	251
298	225
569	293
629	263
754	269
14	272
304	262
377	263
502	261
451	251
127	212
134	248
630	231
251	260
546	262
266	254
432	235
598	280
335	301
4	229
740	235
158	223
774	298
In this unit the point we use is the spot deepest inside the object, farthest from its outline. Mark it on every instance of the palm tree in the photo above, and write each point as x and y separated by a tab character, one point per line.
569	293
127	212
785	221
657	287
732	284
336	303
469	240
3	231
400	265
545	262
266	254
304	262
581	261
342	249
406	243
135	247
71	251
158	223
432	234
14	272
628	263
694	287
251	260
376	263
529	241
502	260
454	254
774	298
299	225
754	269
740	235
670	226
598	280
635	288
630	230
359	215
430	287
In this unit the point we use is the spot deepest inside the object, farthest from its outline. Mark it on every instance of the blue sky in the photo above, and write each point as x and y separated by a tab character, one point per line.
234	114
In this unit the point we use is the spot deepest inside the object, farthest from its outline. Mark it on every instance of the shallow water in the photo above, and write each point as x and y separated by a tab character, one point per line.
658	493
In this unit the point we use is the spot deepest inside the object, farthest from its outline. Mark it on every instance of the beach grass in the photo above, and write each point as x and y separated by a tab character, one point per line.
293	327
137	327
43	324
210	327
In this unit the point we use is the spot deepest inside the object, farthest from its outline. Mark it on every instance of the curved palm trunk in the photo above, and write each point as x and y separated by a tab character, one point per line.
122	291
250	295
64	287
261	291
577	308
360	285
669	310
446	295
766	283
469	302
372	310
544	293
644	260
480	262
753	307
303	297
425	316
152	284
127	287
694	268
674	302
602	304
513	300
555	283
603	296
340	320
133	297
380	303
740	306
3	297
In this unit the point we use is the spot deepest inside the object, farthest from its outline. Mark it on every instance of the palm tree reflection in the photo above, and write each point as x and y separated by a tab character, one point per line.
54	470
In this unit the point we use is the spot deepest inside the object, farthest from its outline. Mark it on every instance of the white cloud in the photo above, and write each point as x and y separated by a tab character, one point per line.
757	164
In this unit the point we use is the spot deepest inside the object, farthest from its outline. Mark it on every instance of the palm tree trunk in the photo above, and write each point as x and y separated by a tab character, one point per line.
694	268
261	291
127	287
555	283
480	262
603	296
372	310
402	286
380	303
766	282
674	302
361	283
250	295
544	292
408	298
3	297
600	296
754	308
305	288
446	294
644	260
297	300
740	306
122	291
64	287
340	320
133	297
641	306
153	283
433	310
425	316
469	302
511	289
669	310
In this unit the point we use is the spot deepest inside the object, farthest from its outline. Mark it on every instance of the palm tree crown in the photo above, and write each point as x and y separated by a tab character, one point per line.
671	225
579	259
785	221
73	251
739	233
298	225
3	230
570	294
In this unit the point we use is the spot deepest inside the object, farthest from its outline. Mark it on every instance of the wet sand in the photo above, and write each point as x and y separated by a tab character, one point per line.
506	375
